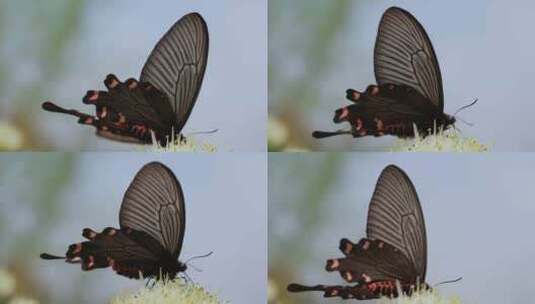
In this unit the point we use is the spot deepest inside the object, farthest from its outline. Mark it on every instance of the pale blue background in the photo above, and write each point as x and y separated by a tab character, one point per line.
226	213
478	210
485	50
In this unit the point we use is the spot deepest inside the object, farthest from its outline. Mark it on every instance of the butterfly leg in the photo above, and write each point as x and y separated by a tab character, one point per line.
187	278
149	285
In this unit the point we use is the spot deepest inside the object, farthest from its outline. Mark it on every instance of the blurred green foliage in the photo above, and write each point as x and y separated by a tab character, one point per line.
313	176
31	185
167	292
306	41
34	37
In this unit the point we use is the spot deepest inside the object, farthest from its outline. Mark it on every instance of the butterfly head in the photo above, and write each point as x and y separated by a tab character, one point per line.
181	267
425	286
448	120
171	269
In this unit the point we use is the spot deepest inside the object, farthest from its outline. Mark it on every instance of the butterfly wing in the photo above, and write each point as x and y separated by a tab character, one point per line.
372	261
395	217
177	64
128	252
154	204
387	110
374	265
404	55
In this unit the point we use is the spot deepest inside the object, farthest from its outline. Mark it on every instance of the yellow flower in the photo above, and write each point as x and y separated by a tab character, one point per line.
440	141
10	137
22	300
278	134
7	283
429	296
176	145
176	291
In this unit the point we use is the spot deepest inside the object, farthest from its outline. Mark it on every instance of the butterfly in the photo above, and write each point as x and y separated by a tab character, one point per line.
152	222
163	98
395	249
409	85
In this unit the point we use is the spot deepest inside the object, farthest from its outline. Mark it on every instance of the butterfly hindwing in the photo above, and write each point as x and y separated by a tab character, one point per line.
130	253
387	110
130	110
371	261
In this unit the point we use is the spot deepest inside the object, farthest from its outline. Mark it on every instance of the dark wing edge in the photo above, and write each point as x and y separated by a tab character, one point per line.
154	204
395	216
117	137
404	55
177	64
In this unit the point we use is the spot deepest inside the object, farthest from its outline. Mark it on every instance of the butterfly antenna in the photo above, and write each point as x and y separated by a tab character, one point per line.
465	107
448	282
199	257
195	267
465	122
204	132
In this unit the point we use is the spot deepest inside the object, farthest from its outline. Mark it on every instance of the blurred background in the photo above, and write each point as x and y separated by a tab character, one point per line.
478	212
318	49
58	49
47	199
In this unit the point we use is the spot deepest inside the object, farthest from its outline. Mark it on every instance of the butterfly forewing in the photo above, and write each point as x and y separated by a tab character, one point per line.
177	64
395	217
404	55
154	204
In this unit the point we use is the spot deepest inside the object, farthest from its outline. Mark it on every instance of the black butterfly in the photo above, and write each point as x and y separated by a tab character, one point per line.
152	220
409	85
395	249
163	98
